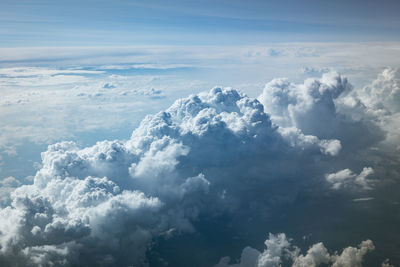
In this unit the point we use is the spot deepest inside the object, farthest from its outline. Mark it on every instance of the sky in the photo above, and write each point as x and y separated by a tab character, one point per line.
187	133
177	22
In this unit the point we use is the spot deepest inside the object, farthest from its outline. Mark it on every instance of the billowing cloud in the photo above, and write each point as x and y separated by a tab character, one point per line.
312	108
215	158
346	177
279	251
383	94
378	102
116	196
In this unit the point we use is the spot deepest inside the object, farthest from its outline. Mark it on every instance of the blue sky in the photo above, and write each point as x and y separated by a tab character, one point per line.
88	23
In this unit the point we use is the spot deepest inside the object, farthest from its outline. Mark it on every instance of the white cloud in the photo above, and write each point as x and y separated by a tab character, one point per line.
311	107
217	152
296	138
118	195
277	246
346	178
384	92
353	257
279	250
26	89
378	102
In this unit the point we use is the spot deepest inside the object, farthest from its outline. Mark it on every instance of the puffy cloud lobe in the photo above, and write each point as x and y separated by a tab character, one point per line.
346	178
353	256
87	211
316	255
277	245
314	108
279	250
291	104
384	92
378	102
297	138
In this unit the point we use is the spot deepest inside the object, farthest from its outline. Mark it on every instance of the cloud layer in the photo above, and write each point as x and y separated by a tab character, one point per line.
215	157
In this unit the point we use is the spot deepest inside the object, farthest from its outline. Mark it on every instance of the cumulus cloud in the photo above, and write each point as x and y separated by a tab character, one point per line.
383	94
297	138
378	102
117	196
218	155
312	108
279	251
346	177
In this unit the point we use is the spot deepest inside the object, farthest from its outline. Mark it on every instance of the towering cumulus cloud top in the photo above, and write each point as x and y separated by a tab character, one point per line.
208	155
314	107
